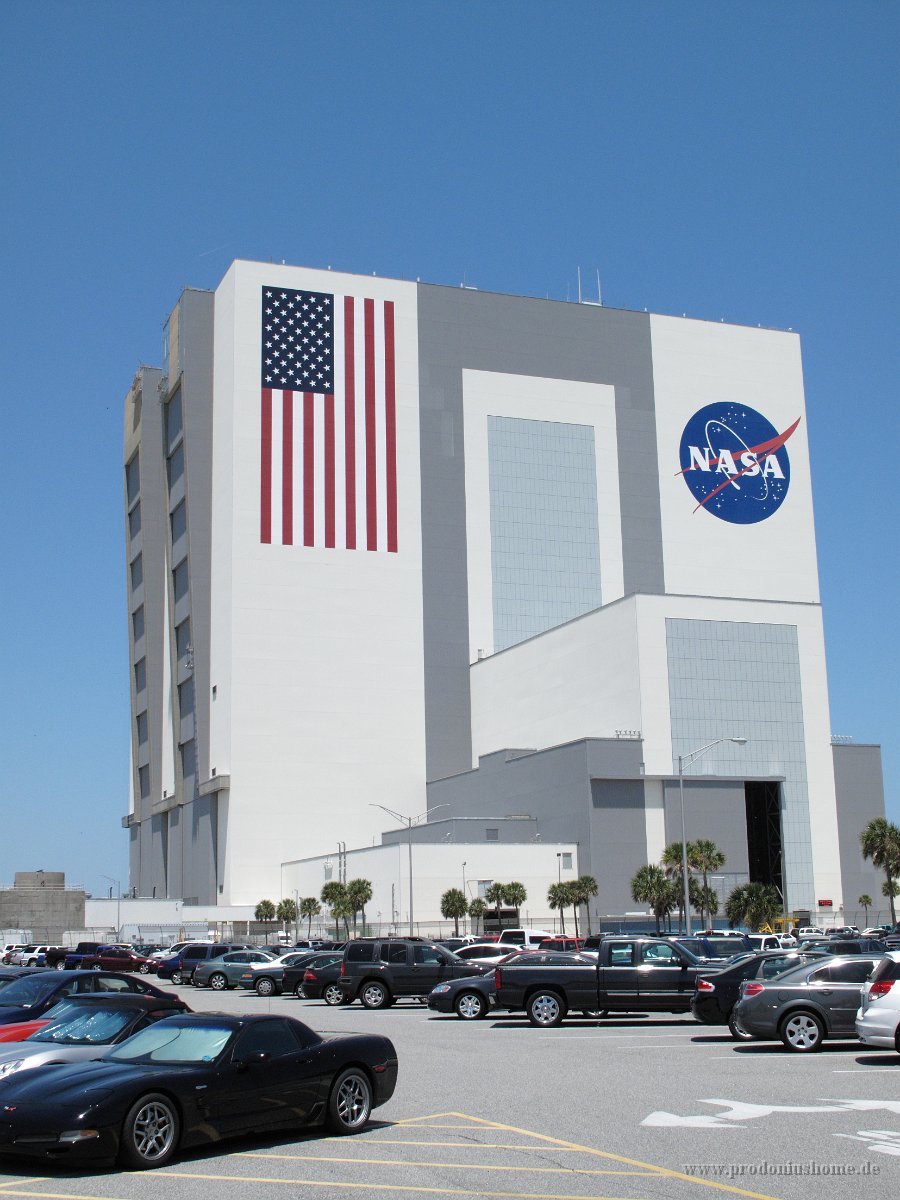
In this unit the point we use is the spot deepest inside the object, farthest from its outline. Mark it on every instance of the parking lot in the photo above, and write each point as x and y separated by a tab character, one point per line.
631	1107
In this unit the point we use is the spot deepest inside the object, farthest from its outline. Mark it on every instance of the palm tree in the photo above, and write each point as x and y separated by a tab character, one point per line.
309	908
880	841
705	857
650	886
753	905
865	902
476	910
583	888
558	897
359	893
515	894
707	900
672	863
454	906
265	912
334	895
287	913
495	895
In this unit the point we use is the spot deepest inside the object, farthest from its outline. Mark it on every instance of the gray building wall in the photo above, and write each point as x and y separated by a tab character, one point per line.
742	679
173	836
590	792
714	810
859	788
47	911
461	328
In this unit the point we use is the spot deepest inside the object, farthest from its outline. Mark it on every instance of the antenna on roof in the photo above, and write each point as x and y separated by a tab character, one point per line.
599	297
579	285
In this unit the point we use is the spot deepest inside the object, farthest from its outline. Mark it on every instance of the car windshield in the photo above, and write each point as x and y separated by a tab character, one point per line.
167	1042
28	990
83	1026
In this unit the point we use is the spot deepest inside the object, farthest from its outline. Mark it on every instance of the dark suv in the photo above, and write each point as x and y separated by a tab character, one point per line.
378	971
180	967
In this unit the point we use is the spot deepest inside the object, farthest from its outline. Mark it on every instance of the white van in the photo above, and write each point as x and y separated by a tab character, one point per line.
528	939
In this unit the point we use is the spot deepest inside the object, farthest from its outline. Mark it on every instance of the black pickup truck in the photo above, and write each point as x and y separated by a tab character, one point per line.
629	974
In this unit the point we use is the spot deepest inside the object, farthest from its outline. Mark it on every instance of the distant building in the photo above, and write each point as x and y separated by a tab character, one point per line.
415	546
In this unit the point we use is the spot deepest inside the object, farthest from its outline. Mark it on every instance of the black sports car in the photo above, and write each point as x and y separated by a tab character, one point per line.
193	1079
31	996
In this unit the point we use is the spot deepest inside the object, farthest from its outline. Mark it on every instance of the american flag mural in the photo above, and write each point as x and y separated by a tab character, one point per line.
328	458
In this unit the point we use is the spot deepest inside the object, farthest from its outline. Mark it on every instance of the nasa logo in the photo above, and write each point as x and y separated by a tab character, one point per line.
734	463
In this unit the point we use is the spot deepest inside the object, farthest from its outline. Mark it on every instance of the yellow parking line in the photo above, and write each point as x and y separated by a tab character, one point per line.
396	1162
395	1188
37	1179
359	1141
632	1162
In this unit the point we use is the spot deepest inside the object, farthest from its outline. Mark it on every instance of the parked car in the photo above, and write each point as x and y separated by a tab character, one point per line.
9	974
292	978
562	943
177	947
226	971
10	949
378	971
180	967
30	997
715	947
833	945
27	956
194	1079
267	979
318	979
628	974
717	992
878	1018
83	1028
524	938
482	953
73	959
804	1006
115	958
471	997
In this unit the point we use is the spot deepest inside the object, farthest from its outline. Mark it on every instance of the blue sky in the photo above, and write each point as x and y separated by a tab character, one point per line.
733	161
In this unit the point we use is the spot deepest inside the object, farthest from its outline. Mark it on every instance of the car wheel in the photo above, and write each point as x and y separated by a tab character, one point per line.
546	1009
96	966
217	982
298	992
332	994
375	995
176	977
350	1102
737	1031
150	1132
802	1032
144	968
265	987
61	965
470	1006
32	962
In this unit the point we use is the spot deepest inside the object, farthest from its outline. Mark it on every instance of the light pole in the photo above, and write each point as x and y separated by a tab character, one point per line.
464	891
408	822
118	901
685	760
559	867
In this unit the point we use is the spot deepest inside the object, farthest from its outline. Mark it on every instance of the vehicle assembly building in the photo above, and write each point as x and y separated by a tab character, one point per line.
544	570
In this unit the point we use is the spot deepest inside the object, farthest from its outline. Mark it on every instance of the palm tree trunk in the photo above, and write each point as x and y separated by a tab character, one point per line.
575	911
890	883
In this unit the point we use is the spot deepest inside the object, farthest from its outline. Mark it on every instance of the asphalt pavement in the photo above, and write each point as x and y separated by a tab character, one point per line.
646	1108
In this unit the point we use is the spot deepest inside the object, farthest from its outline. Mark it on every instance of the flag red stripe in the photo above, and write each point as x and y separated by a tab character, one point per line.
309	482
287	471
349	423
371	469
329	470
390	427
265	467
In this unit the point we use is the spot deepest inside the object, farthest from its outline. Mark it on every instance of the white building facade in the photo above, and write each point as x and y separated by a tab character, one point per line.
403	545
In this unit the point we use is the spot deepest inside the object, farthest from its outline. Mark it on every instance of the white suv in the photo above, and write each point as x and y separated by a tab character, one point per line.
878	1016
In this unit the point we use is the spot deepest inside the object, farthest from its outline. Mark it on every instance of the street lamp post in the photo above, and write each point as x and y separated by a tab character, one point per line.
464	891
685	760
408	822
559	867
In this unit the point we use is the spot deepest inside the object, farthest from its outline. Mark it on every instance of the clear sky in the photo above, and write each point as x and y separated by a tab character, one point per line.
733	161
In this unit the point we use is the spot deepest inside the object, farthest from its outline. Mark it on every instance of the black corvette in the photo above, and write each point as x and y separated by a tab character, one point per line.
194	1079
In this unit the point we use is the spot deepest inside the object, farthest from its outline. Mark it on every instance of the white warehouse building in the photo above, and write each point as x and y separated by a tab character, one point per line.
522	571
